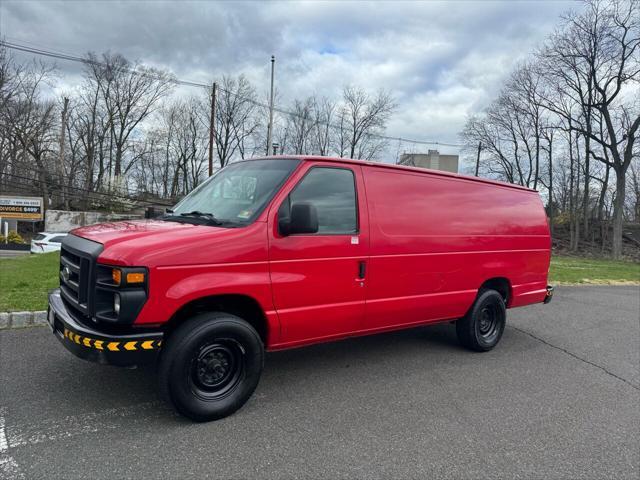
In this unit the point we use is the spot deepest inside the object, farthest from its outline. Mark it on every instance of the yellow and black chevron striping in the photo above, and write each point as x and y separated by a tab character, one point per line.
131	346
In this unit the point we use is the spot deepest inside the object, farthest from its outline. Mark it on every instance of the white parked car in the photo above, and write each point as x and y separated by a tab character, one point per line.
46	242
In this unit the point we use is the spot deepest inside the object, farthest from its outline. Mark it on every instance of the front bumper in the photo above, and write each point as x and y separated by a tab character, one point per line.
95	346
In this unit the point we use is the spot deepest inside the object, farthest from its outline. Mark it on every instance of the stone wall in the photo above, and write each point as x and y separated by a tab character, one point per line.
63	221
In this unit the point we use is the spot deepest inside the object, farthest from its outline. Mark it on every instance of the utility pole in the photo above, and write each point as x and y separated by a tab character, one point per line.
270	127
478	158
212	126
63	130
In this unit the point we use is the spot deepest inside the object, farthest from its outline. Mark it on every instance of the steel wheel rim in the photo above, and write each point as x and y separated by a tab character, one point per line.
488	322
216	369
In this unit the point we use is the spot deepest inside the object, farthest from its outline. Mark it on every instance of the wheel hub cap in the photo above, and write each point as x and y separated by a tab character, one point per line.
216	368
214	365
487	321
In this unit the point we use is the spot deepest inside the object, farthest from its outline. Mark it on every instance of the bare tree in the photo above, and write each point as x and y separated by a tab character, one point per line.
364	117
10	73
323	114
236	118
30	120
593	59
301	125
91	124
130	92
585	85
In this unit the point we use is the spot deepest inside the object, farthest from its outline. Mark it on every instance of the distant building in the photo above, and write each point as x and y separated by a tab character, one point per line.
433	159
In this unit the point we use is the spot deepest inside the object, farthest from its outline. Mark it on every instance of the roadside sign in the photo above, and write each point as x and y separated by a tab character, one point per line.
21	208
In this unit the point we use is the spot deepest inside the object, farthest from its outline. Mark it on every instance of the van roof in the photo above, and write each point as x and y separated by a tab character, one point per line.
317	158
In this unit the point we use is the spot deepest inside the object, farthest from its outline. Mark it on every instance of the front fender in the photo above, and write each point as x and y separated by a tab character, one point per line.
171	288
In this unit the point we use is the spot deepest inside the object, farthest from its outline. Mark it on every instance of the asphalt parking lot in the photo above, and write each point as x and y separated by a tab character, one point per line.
558	398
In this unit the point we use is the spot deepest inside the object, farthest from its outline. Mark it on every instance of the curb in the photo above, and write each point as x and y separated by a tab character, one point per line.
10	320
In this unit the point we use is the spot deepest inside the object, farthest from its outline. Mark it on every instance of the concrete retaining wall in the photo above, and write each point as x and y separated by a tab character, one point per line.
63	221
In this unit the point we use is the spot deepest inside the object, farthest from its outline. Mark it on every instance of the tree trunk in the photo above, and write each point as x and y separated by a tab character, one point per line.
587	148
618	217
118	166
603	193
89	174
571	178
587	177
63	129
42	178
604	224
576	212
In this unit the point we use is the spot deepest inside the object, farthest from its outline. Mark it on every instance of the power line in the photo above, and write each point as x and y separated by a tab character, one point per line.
80	193
188	83
57	178
58	181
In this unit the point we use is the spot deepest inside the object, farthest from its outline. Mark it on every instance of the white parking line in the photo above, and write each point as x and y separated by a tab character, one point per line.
66	427
9	468
4	446
82	424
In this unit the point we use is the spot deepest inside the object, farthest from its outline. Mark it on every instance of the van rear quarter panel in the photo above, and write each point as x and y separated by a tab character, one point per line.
435	240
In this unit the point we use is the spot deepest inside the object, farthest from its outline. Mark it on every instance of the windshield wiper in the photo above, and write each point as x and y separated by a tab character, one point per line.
198	214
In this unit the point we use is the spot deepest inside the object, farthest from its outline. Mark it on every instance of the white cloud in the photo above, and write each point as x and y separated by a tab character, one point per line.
441	60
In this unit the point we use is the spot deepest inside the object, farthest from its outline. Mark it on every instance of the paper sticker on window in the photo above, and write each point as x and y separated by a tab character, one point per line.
244	214
355	240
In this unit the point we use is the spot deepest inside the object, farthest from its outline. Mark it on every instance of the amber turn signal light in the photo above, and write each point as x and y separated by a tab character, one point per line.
116	275
135	277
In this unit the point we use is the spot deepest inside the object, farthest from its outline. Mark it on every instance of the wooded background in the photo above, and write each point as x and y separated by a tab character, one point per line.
565	123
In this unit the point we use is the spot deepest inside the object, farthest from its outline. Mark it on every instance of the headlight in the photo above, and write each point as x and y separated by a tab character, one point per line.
120	293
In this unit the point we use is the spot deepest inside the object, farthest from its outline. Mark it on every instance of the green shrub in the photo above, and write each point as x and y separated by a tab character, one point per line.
14	237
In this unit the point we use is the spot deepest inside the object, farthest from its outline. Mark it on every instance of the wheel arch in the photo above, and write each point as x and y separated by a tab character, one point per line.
241	305
500	284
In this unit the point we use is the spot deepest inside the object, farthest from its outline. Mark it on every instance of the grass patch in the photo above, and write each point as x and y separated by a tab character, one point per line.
576	271
26	280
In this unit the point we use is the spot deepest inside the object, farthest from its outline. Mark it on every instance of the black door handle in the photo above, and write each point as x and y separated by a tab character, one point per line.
362	269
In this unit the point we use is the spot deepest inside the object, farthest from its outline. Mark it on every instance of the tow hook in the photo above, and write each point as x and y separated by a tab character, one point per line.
549	295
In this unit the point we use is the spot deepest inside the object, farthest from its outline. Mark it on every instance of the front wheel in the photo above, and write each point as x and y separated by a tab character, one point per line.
210	366
481	328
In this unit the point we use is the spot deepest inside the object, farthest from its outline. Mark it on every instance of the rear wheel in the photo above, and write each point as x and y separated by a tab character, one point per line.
210	366
482	327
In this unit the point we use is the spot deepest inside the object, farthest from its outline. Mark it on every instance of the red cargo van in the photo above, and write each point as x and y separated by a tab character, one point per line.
275	253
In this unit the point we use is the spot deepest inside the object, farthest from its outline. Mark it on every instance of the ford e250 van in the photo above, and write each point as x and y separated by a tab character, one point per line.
282	252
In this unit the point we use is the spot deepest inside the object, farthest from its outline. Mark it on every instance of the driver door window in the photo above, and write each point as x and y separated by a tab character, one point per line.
332	191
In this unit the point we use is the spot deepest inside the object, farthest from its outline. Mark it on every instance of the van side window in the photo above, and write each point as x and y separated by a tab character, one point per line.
332	191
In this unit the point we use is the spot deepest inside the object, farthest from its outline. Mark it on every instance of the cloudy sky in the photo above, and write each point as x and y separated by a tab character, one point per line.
441	60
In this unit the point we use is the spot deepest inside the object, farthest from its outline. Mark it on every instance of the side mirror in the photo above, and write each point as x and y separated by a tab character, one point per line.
303	219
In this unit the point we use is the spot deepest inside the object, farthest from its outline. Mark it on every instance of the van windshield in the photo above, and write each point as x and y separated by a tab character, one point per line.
235	195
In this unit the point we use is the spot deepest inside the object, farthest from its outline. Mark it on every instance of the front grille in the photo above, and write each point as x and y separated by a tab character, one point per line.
74	279
78	258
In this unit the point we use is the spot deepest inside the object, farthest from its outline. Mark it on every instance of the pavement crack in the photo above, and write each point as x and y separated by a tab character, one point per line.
577	357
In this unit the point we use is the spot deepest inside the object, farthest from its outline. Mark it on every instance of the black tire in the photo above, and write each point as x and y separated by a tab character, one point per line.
482	327
210	366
